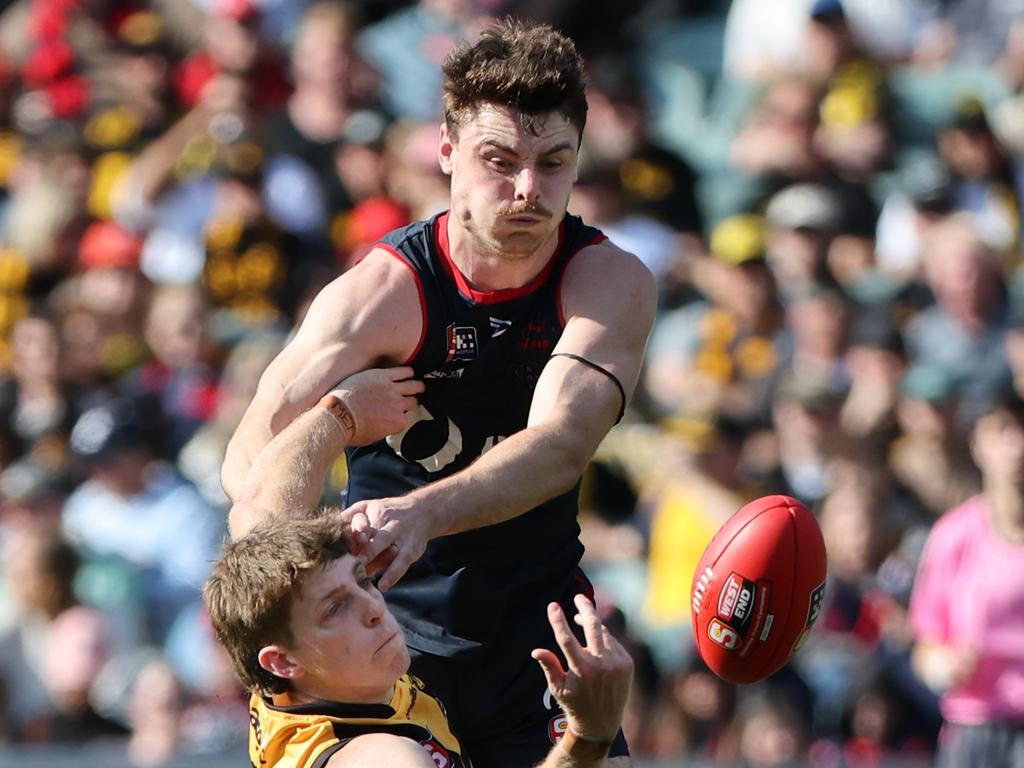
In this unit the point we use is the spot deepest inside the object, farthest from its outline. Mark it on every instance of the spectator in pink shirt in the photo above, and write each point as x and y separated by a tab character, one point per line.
967	607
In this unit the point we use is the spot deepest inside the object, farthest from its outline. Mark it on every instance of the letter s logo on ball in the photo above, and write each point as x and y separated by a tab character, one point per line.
723	634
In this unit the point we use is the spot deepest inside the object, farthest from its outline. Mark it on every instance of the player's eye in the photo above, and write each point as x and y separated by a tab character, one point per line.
499	162
335	607
551	165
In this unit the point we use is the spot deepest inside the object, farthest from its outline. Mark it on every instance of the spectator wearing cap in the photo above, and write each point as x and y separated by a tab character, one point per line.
719	355
929	458
964	330
135	515
802	220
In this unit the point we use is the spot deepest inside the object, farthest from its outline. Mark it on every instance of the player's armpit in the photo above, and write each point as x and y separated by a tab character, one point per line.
369	315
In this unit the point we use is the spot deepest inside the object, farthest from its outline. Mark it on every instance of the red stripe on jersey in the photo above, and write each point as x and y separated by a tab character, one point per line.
502	294
423	299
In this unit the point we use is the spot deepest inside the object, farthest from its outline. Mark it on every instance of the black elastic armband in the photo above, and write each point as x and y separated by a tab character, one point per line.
606	372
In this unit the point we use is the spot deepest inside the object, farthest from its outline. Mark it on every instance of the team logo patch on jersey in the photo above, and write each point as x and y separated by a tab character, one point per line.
461	342
499	326
557	727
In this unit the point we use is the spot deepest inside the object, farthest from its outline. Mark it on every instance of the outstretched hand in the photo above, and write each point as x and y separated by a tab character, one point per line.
593	690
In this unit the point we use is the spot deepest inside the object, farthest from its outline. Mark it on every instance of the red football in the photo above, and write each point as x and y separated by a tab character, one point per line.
758	589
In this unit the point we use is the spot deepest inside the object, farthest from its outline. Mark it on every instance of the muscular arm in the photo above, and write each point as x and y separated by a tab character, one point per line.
609	301
369	316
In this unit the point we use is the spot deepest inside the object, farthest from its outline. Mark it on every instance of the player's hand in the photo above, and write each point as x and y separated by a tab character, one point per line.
378	399
594	688
396	534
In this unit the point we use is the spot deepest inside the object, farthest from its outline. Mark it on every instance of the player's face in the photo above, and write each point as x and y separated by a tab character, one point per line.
348	644
511	178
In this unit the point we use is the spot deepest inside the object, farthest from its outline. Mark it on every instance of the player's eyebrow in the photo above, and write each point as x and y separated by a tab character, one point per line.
341	589
560	147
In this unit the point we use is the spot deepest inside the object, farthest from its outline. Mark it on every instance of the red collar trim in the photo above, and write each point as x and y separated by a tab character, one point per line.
490	297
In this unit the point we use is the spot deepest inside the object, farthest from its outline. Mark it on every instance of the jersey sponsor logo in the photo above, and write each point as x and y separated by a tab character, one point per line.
534	336
455	373
499	326
461	342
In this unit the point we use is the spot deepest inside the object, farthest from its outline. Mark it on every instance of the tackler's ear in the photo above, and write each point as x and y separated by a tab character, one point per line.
445	148
275	659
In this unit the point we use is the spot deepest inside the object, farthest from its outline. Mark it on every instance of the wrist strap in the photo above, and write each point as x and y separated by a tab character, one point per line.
337	408
583	749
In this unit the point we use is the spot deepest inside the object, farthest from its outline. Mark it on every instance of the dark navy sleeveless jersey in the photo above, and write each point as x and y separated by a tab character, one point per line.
480	355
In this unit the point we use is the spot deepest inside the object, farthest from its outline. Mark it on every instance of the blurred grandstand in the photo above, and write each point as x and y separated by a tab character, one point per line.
828	191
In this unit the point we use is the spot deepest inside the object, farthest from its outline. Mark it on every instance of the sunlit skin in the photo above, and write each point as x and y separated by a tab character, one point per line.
510	185
346	645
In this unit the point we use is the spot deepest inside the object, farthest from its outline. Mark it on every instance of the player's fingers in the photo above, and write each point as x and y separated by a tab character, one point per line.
358	540
380	540
409	402
566	639
588	619
350	512
401	372
396	570
551	667
410	386
382	561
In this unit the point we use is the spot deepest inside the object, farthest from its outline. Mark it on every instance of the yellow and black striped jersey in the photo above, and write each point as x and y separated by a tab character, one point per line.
306	735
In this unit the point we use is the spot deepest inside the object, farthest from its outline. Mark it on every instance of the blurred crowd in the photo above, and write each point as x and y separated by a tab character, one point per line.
828	192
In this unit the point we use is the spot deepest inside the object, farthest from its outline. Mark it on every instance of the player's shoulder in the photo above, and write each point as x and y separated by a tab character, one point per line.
606	257
604	268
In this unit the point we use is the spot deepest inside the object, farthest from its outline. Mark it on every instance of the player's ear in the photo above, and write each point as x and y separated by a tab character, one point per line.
275	659
445	148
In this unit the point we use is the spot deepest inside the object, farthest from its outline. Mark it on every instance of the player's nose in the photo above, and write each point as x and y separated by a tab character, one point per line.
526	185
374	609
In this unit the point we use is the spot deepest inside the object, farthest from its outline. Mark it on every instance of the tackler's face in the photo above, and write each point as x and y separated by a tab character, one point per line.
511	177
346	644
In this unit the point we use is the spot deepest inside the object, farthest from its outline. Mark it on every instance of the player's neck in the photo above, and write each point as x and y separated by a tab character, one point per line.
487	268
295	697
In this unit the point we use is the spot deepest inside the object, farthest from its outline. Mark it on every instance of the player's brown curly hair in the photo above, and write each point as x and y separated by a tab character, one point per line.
250	591
530	68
